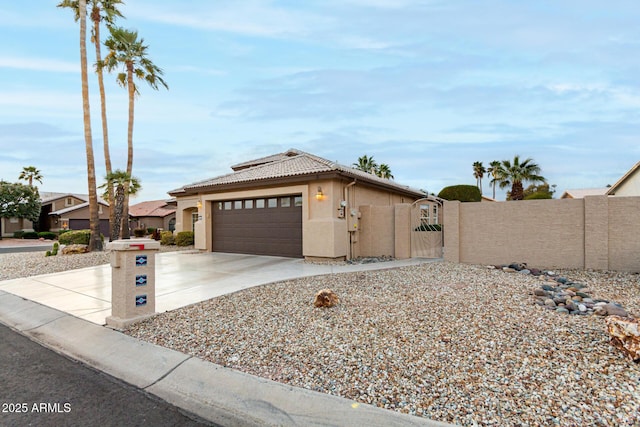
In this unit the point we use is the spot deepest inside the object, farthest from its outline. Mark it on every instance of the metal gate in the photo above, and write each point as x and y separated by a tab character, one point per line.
426	228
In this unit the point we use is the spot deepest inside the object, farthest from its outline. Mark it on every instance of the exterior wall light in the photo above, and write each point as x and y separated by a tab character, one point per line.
319	194
199	204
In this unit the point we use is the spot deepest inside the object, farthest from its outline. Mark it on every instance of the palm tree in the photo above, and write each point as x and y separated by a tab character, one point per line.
29	173
516	173
384	171
496	172
101	10
366	164
126	50
95	242
121	184
478	173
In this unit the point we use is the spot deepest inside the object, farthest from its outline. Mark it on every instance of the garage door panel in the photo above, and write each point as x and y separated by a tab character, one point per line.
260	231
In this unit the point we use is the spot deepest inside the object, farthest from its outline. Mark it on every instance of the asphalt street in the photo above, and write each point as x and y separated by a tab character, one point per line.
39	387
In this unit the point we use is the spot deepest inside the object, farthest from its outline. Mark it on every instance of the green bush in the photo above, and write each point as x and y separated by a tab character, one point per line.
139	232
29	235
56	246
184	238
75	237
18	234
47	235
48	253
167	238
538	195
63	231
151	230
464	193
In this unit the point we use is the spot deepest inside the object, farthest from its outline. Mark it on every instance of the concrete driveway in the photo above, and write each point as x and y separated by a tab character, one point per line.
182	278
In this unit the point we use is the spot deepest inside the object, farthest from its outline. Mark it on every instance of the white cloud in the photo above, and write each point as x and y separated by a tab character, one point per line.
39	64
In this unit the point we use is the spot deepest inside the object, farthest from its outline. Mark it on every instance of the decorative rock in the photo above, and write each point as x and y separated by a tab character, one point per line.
570	305
535	271
539	292
326	298
549	302
582	308
548	288
525	271
614	309
75	249
509	270
562	310
562	280
625	335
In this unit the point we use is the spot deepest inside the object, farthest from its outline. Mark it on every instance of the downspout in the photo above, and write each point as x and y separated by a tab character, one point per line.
347	195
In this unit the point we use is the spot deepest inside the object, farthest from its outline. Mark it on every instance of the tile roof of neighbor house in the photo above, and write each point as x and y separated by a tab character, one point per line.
49	196
291	163
157	208
612	190
76	207
580	193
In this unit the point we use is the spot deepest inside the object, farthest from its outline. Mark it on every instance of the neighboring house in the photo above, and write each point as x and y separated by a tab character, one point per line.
60	211
582	192
154	214
628	185
292	204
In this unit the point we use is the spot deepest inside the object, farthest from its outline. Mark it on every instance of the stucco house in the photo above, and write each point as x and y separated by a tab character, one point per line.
60	211
154	214
296	204
627	185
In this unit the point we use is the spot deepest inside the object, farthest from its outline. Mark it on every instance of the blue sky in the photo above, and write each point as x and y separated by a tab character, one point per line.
426	86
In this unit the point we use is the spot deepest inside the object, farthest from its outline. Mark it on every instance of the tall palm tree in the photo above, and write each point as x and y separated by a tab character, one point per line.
384	171
478	173
107	11
516	173
29	173
121	184
95	242
130	53
366	164
496	172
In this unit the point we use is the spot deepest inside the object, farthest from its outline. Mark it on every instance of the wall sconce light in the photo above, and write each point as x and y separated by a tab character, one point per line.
319	194
199	204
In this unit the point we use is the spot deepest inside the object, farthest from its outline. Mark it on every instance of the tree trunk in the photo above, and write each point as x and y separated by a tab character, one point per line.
95	243
517	192
95	17
126	234
117	209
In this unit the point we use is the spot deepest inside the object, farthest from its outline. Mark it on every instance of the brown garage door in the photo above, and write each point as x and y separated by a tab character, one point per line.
83	224
264	226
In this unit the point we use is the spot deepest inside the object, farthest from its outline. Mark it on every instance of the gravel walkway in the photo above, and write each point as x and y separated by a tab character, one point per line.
454	343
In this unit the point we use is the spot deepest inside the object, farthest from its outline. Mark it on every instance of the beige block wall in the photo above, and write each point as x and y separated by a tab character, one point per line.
624	233
377	231
597	232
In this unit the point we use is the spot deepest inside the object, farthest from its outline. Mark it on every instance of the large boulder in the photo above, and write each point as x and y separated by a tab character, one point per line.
75	249
625	335
326	298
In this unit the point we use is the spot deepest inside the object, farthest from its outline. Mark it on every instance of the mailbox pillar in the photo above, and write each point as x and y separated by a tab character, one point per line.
133	281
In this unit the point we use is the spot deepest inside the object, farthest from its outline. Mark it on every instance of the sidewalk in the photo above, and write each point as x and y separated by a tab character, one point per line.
213	392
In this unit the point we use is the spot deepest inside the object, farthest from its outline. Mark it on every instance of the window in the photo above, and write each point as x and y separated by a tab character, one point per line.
260	203
285	202
272	203
68	201
237	204
297	201
227	206
248	204
99	208
219	206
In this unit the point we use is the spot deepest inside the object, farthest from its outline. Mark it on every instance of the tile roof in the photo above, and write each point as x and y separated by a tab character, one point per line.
580	193
291	163
76	207
157	208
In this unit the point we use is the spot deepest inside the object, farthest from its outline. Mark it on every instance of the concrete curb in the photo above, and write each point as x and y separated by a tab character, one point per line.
215	393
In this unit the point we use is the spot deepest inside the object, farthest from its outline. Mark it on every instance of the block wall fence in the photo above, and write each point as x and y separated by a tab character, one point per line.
597	232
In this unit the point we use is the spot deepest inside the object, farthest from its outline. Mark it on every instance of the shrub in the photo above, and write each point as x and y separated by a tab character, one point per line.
464	193
184	238
167	238
29	235
139	232
48	253
538	195
18	234
56	246
47	235
151	230
75	237
63	231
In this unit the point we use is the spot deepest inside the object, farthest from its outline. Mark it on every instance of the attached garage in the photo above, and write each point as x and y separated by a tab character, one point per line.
83	224
259	226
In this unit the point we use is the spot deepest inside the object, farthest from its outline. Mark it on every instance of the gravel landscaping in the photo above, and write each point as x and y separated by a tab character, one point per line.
454	343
